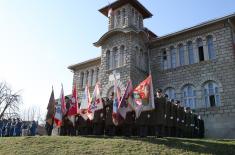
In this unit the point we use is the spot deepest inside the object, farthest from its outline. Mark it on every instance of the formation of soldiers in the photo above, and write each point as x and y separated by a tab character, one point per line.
16	127
168	119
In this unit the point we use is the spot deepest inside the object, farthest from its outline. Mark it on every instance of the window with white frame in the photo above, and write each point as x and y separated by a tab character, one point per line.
173	57
171	93
190	52
189	96
211	94
181	55
210	46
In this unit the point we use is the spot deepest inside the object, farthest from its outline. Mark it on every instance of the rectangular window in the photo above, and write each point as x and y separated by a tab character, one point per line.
201	53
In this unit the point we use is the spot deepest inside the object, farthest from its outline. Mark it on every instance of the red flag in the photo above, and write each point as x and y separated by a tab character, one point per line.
116	101
143	96
85	103
73	110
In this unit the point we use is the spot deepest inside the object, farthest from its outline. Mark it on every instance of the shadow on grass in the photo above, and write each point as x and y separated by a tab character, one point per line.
216	147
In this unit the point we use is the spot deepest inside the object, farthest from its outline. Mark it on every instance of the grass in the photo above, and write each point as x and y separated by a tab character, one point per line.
115	145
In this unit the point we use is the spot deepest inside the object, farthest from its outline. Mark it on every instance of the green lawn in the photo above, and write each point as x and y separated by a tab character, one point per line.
116	145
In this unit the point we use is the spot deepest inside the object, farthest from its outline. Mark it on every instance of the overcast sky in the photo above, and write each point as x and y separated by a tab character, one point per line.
39	39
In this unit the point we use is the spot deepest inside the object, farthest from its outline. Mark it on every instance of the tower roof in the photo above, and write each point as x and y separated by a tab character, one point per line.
135	3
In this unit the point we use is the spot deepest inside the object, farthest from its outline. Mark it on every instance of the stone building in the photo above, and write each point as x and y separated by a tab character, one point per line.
195	65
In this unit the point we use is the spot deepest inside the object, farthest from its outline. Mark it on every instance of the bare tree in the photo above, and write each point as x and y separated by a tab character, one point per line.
9	101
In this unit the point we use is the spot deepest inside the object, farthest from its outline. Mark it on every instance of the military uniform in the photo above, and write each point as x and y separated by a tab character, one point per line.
169	118
196	126
180	121
98	122
201	128
144	121
160	115
128	124
82	125
109	126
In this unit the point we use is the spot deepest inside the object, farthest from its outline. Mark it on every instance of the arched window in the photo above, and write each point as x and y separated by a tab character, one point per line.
118	17
141	59
115	57
173	57
86	80
137	58
211	50
189	96
121	61
92	76
97	74
146	61
200	49
123	16
171	93
190	52
82	79
211	94
136	17
164	59
181	54
140	21
108	60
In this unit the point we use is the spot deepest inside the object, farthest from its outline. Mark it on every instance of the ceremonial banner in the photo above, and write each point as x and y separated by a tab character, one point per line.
85	103
116	101
51	108
73	110
96	102
62	101
124	105
60	109
143	96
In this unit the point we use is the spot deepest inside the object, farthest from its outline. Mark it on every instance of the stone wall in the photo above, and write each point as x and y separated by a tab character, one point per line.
218	120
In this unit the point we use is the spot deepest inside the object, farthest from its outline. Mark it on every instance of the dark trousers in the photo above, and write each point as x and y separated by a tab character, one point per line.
143	131
110	130
98	129
127	130
159	131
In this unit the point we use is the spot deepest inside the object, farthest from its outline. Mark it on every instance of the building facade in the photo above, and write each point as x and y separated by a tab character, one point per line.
195	65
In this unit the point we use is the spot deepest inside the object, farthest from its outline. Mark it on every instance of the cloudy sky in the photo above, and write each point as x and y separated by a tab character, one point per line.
39	39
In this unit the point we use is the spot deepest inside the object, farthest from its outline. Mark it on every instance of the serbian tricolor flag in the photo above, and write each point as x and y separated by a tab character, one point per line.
143	96
73	110
51	108
85	103
116	101
124	105
96	102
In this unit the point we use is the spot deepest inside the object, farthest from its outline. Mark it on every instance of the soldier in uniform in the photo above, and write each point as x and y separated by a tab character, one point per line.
169	118
196	126
1	127
180	120
201	127
188	123
98	121
174	110
18	125
128	124
110	129
159	113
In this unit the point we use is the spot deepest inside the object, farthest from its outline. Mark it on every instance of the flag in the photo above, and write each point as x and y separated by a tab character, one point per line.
85	103
73	110
58	114
96	102
116	101
62	101
51	108
124	105
143	96
110	13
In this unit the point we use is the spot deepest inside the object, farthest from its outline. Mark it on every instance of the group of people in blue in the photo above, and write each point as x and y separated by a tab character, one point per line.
15	127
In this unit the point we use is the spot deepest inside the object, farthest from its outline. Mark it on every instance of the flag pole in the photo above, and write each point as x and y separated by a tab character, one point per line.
150	72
